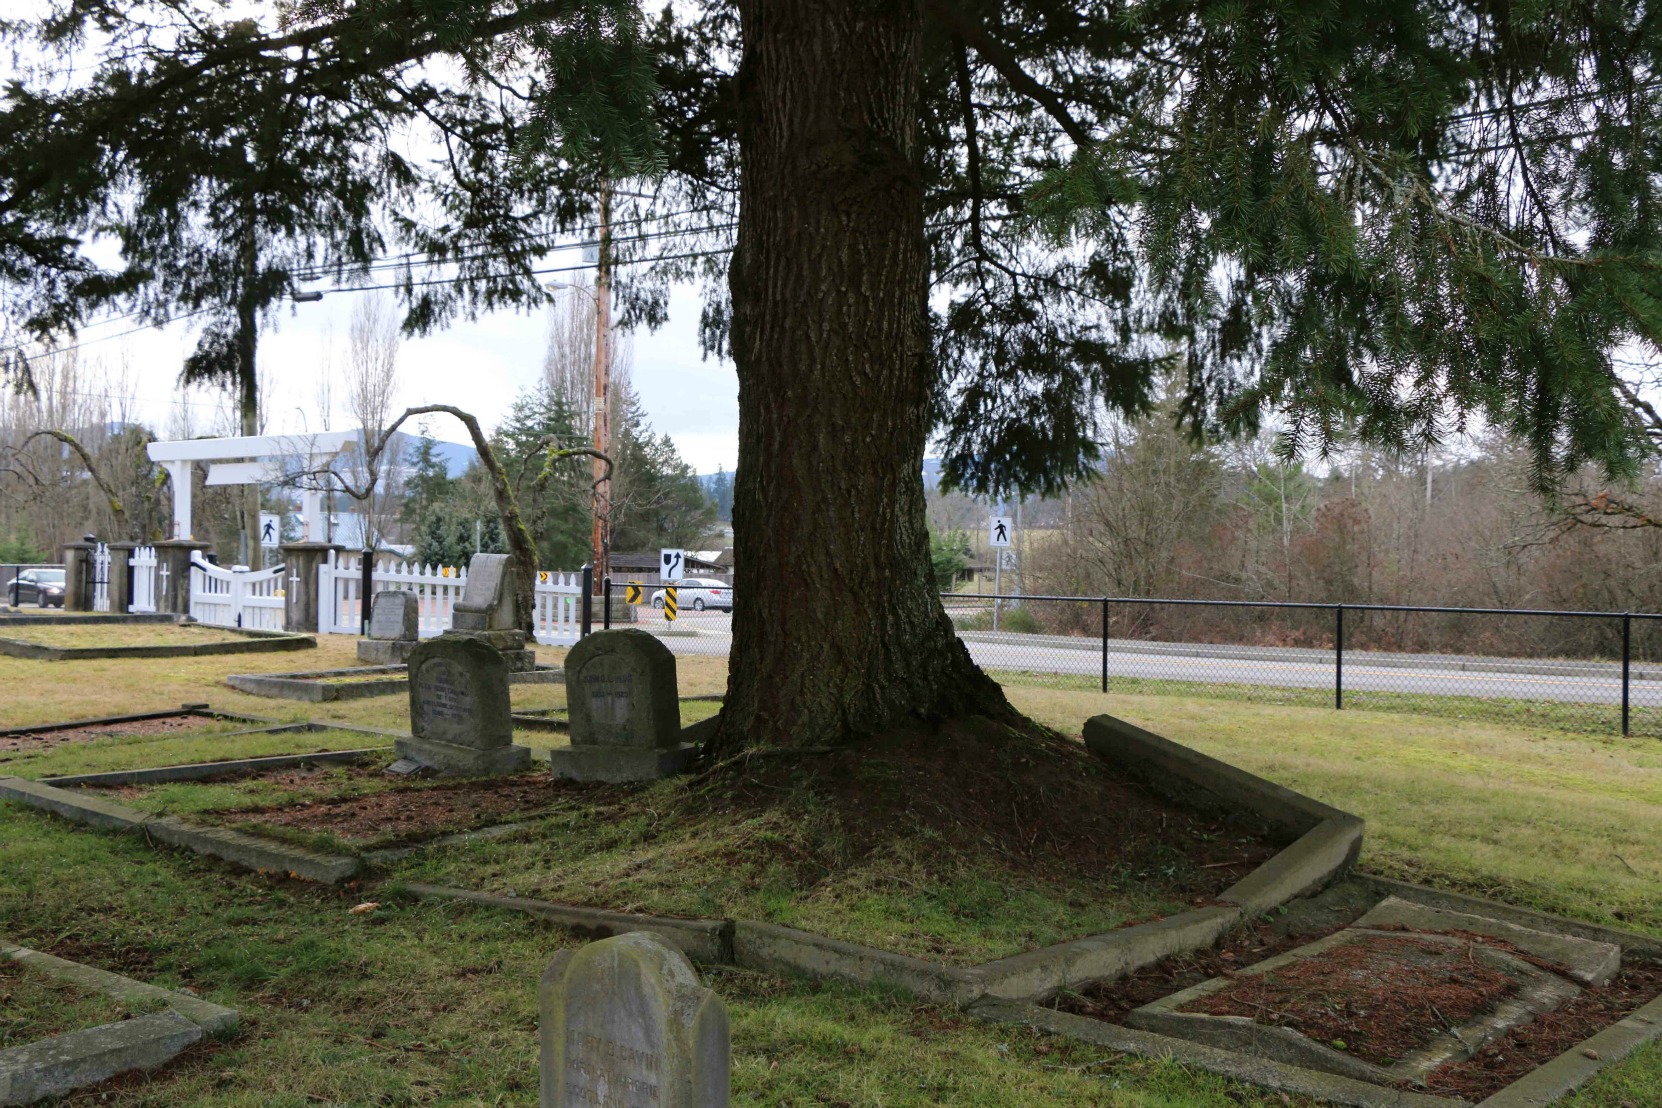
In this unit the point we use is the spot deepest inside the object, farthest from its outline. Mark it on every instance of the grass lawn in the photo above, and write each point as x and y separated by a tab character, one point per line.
119	634
421	1002
34	1005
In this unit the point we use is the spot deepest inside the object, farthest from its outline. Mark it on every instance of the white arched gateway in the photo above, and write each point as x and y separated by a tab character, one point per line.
252	460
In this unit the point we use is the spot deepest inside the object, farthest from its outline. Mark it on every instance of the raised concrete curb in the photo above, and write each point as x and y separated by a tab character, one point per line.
195	771
94	811
1187	776
1587	960
210	1017
1648	945
261	855
1319	856
706	941
314	686
1107	957
774	949
202	711
1277	1076
76	1059
63	1063
1578	1065
248	641
241	849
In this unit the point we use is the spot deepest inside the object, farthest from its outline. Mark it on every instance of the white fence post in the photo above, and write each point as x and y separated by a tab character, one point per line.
232	598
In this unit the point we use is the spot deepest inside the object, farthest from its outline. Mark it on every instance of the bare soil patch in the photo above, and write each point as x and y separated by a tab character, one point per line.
1377	998
165	725
409	810
1548	1035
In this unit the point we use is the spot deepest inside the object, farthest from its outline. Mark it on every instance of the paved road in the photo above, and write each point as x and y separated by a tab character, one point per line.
710	633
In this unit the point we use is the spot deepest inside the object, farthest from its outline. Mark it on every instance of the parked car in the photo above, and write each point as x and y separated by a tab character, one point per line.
699	593
40	586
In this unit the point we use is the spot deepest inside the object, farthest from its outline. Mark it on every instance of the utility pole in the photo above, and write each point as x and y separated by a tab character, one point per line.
602	386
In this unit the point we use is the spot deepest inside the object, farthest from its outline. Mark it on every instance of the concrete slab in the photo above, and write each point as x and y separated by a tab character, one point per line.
1586	960
210	1017
64	1063
261	855
1537	991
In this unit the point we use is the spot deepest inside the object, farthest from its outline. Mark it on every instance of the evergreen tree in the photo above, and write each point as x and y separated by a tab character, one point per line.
557	504
656	498
994	223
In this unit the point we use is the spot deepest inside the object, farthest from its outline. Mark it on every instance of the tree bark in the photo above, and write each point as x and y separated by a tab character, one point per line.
838	631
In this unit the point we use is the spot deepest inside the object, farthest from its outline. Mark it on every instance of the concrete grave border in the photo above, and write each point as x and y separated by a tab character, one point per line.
73	1060
313	685
1325	847
55	795
250	641
1553	1079
200	710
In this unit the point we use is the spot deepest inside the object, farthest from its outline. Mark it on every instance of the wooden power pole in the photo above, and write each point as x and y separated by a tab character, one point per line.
602	389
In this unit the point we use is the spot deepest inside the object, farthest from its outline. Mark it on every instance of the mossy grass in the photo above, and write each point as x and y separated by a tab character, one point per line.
433	1002
221	742
1560	715
72	635
976	845
422	1002
34	1006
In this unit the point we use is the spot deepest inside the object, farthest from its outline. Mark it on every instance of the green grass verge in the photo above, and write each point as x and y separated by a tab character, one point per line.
216	744
34	1005
1559	715
435	1003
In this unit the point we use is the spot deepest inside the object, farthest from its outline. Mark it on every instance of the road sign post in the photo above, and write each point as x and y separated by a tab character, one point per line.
671	603
998	537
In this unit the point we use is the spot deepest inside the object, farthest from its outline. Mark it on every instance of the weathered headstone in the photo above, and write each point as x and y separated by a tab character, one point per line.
625	714
625	1022
487	609
461	720
394	629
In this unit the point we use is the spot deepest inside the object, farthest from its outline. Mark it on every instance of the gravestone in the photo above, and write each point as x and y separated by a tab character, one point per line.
625	714
487	609
625	1022
460	718
394	629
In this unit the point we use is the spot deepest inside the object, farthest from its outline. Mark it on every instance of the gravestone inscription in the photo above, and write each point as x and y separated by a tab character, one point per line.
461	720
625	1022
625	715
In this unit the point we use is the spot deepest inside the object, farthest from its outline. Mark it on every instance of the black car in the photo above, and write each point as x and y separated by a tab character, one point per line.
38	586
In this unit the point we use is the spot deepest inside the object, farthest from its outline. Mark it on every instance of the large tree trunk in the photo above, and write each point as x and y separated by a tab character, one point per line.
838	631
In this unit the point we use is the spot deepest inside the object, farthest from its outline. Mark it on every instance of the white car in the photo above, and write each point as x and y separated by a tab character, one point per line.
697	594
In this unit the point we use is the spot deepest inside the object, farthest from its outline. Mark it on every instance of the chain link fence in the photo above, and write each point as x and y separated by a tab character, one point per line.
1598	672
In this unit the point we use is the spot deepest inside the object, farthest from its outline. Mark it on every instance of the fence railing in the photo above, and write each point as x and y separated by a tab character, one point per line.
1607	675
556	614
236	598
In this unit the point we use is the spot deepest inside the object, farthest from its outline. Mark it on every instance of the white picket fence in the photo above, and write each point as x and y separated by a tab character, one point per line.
236	598
100	557
558	615
147	579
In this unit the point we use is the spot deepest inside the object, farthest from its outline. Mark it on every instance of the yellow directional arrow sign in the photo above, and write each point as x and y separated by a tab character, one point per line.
670	607
632	594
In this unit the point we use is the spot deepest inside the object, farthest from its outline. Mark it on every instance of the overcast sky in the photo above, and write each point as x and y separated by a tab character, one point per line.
478	366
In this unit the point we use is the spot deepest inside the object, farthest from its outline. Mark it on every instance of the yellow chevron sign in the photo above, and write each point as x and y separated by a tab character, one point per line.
632	594
669	604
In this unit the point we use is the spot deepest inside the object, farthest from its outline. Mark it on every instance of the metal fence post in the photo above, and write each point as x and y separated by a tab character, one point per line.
1105	644
1339	656
606	603
366	592
1627	666
588	599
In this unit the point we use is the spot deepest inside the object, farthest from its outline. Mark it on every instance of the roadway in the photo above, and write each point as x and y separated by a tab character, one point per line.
710	633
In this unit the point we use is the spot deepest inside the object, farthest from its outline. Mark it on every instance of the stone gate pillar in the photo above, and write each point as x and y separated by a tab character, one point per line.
301	603
78	586
121	577
173	574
